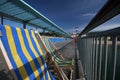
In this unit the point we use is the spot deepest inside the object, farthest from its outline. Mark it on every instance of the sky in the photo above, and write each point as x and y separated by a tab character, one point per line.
69	14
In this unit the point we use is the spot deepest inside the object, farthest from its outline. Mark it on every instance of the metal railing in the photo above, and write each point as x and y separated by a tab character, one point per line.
100	54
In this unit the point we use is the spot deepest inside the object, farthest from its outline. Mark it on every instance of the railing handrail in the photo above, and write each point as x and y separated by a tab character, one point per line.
111	32
108	11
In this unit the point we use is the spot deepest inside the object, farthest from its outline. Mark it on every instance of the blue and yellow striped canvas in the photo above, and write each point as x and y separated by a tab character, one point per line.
25	54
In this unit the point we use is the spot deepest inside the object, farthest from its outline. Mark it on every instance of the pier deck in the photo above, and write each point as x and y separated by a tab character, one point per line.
68	51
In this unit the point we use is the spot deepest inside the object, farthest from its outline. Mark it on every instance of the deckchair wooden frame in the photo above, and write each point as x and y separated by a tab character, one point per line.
7	64
65	67
60	62
60	54
55	65
56	50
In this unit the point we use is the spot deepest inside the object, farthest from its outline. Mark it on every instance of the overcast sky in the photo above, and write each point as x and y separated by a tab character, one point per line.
69	14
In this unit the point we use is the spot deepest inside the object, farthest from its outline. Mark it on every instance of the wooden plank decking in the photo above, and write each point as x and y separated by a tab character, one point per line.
68	51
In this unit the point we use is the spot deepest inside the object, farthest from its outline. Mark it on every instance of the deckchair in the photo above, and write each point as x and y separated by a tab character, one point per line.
57	68
56	51
22	55
66	66
60	62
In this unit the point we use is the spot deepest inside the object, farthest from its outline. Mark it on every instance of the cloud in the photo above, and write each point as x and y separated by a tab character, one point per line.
106	27
89	14
73	29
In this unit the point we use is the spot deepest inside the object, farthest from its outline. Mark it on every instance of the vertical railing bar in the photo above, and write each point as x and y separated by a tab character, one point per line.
99	77
86	58
114	53
92	58
89	57
87	64
84	54
89	47
96	58
81	51
106	53
83	42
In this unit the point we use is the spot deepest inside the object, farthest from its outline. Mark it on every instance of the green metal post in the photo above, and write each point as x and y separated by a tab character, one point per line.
24	25
2	19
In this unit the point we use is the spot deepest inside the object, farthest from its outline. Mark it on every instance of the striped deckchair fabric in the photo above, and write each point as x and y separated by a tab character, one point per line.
57	52
63	66
60	62
24	54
